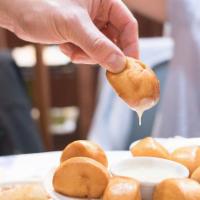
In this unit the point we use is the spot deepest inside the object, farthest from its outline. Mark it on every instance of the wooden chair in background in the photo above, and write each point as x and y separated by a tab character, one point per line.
85	87
41	86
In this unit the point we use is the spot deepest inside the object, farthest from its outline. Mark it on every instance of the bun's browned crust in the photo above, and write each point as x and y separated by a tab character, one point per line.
24	192
177	189
196	175
84	148
81	177
122	188
137	85
188	156
149	147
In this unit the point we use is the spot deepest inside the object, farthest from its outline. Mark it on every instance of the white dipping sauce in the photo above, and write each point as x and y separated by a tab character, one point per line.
149	170
145	173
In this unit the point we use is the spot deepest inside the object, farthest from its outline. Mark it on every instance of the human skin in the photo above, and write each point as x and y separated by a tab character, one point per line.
88	31
155	9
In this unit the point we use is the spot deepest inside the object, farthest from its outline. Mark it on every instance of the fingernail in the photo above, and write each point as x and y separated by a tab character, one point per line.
116	63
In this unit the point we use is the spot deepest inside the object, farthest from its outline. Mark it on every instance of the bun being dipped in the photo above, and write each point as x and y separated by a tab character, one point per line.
137	85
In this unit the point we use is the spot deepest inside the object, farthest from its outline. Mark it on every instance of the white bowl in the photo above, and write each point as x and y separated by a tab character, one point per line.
149	171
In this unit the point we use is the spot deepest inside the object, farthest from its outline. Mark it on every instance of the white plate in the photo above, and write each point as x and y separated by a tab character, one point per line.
54	195
14	183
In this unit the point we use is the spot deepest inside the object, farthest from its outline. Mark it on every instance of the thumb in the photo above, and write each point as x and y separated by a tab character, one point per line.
99	47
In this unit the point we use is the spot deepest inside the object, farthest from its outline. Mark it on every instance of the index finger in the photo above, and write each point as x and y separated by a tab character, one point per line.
121	18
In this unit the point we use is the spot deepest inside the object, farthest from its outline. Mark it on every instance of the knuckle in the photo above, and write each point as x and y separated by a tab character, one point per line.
70	24
26	19
99	47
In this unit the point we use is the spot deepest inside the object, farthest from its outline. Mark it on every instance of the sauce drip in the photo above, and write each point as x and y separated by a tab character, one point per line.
139	113
143	107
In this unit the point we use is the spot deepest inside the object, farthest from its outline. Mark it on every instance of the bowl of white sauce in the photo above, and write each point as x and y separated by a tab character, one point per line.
149	171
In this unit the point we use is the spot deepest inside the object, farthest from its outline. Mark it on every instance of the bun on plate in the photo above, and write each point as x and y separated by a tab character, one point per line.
196	174
81	177
149	147
188	156
122	188
24	192
84	148
177	189
137	85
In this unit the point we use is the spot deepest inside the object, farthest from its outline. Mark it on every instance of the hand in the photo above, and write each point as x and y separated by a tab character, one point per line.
155	9
88	31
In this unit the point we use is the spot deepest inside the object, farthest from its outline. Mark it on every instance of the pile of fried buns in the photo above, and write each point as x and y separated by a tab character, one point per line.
83	173
173	189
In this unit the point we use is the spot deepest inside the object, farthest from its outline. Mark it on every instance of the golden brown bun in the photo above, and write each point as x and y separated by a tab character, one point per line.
149	147
24	192
122	188
81	177
84	148
188	156
177	189
137	85
196	175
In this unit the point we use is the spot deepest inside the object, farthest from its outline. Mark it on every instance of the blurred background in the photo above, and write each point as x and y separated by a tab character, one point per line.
46	101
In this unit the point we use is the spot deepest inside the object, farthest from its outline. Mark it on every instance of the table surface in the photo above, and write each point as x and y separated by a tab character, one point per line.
34	167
